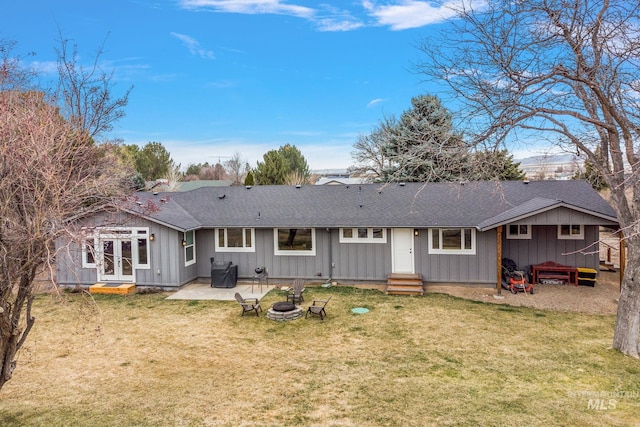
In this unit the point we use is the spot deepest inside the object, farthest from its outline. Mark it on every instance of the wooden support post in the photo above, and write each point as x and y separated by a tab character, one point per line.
499	259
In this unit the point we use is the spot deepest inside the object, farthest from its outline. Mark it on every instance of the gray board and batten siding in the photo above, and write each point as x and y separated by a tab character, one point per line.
546	245
481	206
166	256
367	261
283	266
358	262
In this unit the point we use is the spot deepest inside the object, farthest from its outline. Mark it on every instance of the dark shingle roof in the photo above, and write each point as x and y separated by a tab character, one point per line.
473	204
537	204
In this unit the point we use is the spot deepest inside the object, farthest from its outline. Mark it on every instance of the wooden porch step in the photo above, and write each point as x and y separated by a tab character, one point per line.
405	290
408	282
405	284
413	276
112	288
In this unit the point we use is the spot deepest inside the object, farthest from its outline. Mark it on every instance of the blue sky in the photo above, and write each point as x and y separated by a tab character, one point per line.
214	77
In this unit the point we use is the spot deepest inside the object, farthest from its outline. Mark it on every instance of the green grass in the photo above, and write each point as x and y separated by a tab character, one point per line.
434	360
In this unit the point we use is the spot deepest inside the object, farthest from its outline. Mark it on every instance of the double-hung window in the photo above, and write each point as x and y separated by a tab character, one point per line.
89	252
454	241
141	248
189	243
235	240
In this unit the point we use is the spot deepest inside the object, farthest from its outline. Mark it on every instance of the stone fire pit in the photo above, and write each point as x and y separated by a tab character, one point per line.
284	310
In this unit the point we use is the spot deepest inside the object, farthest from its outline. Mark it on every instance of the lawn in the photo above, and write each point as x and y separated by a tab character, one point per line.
434	360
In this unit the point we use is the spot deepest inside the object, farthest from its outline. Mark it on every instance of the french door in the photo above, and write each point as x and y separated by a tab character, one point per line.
116	259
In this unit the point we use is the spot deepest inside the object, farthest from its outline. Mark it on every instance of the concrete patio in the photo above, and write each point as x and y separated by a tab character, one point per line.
204	291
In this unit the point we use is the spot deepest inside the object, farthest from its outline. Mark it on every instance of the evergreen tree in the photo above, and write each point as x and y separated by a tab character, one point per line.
249	179
423	146
194	169
153	161
487	165
278	165
591	174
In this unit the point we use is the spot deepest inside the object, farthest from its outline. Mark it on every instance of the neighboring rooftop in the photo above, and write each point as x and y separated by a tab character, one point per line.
163	185
340	181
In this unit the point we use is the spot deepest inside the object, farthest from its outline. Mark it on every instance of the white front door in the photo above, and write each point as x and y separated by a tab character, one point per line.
116	259
402	250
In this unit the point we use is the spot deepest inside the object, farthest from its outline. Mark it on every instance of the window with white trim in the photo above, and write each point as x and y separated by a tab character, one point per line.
571	232
189	247
235	240
363	235
142	255
454	241
518	231
89	253
140	250
294	241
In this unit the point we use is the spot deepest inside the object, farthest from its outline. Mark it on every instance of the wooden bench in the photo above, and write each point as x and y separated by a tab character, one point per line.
553	271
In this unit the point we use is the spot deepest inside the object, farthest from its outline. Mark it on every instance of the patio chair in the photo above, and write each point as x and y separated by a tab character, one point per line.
295	294
248	304
317	308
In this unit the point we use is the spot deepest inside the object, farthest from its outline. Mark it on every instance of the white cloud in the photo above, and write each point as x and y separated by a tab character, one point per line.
250	7
194	46
330	154
413	13
44	67
341	25
398	15
331	18
327	18
374	102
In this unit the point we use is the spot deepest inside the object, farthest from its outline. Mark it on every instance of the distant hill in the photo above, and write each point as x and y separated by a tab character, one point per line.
555	166
550	159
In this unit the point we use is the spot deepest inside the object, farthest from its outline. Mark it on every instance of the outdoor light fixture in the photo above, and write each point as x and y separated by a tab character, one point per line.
416	233
152	237
184	242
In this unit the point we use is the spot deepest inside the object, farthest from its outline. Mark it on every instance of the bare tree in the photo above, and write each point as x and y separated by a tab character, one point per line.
296	177
563	70
369	155
235	168
86	93
50	171
214	172
173	176
12	74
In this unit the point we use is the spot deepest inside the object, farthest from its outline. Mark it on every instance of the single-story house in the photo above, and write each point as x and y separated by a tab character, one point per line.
440	232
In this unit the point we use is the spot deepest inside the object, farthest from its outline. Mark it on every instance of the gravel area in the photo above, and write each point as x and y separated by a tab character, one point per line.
600	299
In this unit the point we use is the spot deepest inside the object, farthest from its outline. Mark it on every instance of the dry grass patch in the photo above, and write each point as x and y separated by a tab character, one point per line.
435	360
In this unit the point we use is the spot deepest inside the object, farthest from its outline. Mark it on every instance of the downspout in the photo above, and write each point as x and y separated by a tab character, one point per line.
330	279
